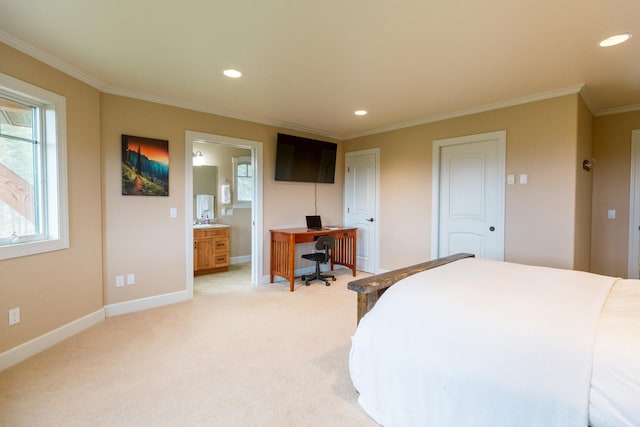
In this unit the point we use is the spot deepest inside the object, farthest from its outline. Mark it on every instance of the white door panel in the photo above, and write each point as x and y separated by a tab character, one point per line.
469	195
466	187
361	201
633	266
468	243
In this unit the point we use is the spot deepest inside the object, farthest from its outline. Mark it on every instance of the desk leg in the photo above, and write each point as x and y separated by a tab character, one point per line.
282	257
344	252
292	261
354	254
273	258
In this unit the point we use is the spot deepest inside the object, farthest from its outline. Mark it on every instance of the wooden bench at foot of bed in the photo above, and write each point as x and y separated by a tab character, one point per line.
371	288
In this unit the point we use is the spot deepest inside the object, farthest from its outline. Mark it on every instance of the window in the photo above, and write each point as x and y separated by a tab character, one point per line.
33	184
243	182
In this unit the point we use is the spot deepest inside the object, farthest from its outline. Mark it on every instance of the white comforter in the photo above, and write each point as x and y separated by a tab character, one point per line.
615	381
480	343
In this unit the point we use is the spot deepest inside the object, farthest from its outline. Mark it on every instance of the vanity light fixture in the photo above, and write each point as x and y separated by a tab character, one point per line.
360	112
614	40
234	74
198	158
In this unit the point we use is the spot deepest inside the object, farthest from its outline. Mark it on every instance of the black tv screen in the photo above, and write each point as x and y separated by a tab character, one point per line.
305	160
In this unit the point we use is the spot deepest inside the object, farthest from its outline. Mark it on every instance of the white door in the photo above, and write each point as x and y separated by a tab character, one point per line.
470	212
361	204
634	208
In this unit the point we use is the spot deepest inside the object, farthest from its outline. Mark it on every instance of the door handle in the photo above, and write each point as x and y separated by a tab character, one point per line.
492	228
370	219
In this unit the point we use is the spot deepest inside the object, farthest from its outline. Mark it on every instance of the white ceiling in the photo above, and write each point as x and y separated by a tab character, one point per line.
309	64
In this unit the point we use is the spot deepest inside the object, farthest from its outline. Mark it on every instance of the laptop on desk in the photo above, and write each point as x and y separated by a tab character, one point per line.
314	223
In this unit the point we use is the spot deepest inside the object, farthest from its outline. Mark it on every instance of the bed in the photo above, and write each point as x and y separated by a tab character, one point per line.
461	341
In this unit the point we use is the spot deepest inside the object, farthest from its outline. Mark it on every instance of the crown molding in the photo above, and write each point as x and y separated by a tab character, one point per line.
618	110
474	110
50	60
585	93
26	48
202	109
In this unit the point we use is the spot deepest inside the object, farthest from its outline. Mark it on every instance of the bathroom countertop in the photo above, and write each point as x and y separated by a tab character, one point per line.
200	226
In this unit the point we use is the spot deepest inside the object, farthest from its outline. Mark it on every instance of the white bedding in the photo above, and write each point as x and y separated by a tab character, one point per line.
480	343
615	382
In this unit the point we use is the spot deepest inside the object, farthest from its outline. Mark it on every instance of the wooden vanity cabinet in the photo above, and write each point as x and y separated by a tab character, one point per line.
210	250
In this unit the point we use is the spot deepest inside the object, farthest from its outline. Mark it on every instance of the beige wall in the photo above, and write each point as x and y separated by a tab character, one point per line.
139	235
611	175
540	216
58	287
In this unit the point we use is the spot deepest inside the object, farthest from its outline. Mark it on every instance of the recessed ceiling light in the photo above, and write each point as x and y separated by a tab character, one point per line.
234	74
614	40
360	112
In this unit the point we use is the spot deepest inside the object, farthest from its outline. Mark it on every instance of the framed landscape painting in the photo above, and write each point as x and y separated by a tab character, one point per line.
145	166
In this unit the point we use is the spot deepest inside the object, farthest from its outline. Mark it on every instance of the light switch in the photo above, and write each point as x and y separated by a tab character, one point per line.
611	214
173	212
524	178
511	179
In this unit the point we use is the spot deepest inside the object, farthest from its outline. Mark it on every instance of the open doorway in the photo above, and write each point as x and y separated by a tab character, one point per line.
236	199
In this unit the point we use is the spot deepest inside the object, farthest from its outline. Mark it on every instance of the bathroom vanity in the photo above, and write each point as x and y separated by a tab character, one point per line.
210	248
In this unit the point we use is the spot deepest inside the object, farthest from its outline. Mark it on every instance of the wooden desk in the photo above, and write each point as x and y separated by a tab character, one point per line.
283	249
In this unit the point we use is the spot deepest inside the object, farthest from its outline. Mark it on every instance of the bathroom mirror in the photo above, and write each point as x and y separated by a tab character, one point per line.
205	183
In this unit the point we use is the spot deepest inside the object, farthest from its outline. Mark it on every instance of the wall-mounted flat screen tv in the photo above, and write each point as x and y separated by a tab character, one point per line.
305	160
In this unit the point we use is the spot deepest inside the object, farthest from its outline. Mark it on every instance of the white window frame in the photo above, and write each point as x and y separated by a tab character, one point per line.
238	161
53	172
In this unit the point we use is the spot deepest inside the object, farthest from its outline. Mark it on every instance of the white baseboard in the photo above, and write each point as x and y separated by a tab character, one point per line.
145	303
240	259
17	354
30	348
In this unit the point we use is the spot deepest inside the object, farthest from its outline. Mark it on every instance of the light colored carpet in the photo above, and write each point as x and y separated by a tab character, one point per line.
236	355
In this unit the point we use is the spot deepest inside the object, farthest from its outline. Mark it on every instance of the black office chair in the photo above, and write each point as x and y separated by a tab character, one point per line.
326	244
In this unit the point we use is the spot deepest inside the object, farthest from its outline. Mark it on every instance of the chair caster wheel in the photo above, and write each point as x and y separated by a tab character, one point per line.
327	284
334	279
306	283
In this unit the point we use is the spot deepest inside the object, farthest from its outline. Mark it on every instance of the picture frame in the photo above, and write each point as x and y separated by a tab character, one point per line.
145	166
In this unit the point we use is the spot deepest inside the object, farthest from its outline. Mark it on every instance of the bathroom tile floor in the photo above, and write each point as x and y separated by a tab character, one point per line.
238	278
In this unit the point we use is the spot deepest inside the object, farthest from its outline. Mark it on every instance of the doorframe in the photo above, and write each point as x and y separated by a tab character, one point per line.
501	136
256	206
376	224
633	260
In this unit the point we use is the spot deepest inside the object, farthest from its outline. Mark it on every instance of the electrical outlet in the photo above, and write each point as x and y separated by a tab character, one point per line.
119	281
14	316
131	279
